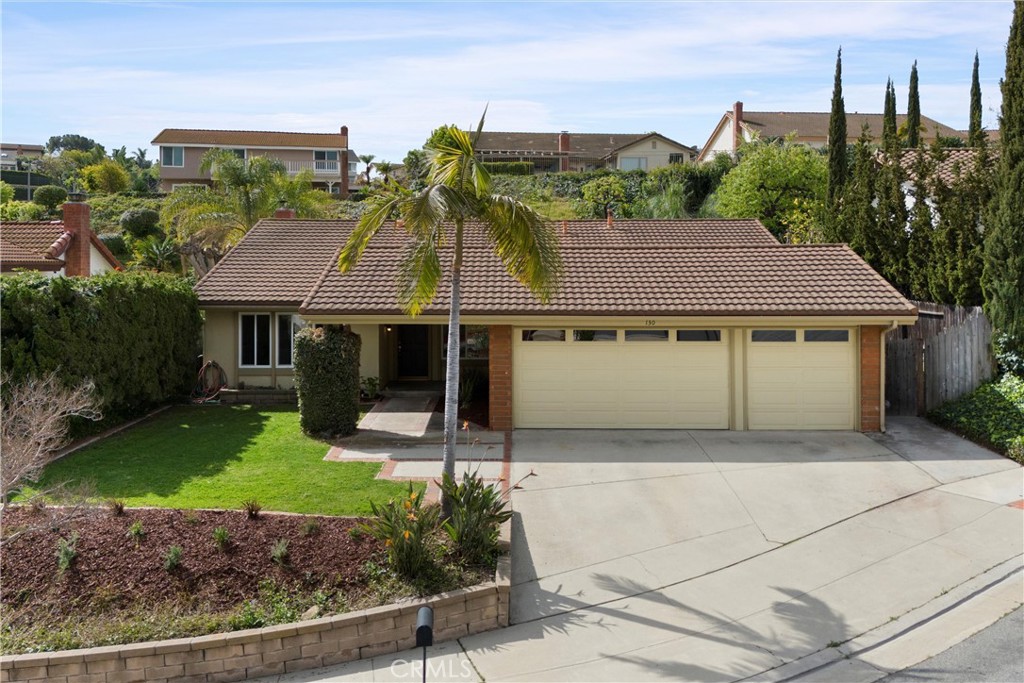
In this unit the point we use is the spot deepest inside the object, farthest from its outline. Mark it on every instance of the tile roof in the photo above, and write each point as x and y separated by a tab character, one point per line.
277	263
756	280
684	267
957	161
815	124
37	245
595	145
255	138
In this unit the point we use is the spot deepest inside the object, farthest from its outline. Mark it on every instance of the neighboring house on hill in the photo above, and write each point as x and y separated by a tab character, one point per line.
556	152
809	128
10	152
66	247
327	155
697	324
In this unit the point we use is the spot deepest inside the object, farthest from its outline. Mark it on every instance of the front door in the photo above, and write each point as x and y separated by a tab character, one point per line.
413	343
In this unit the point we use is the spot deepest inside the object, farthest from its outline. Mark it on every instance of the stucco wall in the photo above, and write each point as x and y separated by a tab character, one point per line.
220	341
657	156
369	355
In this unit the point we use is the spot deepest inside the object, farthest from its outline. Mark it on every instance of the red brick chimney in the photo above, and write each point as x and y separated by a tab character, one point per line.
284	212
77	260
344	163
563	150
737	130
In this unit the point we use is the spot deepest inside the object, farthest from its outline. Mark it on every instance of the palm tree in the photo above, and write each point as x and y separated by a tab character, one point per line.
367	159
457	197
207	220
139	157
385	168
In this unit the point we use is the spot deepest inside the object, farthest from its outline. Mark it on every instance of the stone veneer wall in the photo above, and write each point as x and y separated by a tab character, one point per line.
279	649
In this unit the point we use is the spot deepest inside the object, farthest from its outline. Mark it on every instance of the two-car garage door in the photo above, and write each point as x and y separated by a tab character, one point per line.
684	378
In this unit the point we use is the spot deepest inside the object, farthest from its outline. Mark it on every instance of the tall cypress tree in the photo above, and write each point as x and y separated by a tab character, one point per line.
913	111
920	247
837	164
975	134
1003	277
858	219
889	133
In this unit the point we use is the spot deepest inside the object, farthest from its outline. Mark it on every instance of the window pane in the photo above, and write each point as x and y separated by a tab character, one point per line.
826	335
646	335
543	335
240	153
773	335
594	335
698	335
172	156
248	340
284	340
262	340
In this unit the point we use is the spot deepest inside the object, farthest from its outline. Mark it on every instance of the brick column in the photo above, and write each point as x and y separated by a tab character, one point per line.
500	382
77	261
871	378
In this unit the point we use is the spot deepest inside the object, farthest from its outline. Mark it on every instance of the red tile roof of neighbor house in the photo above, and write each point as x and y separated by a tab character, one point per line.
686	267
38	245
956	161
597	145
255	138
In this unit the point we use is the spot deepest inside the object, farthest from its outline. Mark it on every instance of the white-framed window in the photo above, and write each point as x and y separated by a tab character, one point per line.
172	157
632	163
288	325
254	340
238	152
325	154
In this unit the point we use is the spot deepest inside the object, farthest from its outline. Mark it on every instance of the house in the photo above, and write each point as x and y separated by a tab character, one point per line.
65	247
555	152
327	155
809	128
708	324
11	152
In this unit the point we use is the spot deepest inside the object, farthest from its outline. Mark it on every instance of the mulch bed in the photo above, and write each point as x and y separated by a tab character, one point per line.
111	567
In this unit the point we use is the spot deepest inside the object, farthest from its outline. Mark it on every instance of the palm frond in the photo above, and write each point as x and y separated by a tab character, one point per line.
525	242
419	275
382	208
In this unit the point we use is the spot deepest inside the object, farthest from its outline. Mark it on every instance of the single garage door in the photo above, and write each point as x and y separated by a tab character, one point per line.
621	378
801	378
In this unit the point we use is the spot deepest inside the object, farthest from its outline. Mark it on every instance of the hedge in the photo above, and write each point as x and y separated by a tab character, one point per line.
992	415
509	167
327	380
135	335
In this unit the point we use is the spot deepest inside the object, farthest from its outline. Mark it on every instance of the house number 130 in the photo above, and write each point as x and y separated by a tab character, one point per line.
650	323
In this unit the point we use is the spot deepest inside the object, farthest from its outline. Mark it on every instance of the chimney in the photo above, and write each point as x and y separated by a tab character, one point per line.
284	212
77	260
611	221
563	150
344	163
737	131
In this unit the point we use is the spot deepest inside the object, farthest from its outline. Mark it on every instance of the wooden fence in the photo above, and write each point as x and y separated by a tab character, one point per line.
944	356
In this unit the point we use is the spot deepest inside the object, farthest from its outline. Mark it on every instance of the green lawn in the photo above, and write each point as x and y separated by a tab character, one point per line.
218	457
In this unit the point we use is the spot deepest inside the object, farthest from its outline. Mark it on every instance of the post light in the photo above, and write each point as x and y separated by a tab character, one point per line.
425	633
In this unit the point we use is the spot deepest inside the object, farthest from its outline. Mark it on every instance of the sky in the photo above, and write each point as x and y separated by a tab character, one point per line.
120	72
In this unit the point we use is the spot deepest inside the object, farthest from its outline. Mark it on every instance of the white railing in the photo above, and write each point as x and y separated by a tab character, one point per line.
319	168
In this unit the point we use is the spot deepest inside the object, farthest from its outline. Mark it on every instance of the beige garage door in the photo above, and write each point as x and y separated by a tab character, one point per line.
624	378
801	378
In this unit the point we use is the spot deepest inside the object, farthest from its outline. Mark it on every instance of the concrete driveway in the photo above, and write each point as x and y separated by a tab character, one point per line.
723	556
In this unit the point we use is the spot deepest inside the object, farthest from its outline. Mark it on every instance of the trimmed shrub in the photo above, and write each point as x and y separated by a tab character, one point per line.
107	209
135	335
140	222
107	176
50	196
327	380
509	167
22	211
6	193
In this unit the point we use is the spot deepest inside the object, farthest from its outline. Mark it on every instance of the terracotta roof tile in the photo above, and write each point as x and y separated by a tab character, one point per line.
758	280
815	124
957	161
255	138
16	257
595	145
35	236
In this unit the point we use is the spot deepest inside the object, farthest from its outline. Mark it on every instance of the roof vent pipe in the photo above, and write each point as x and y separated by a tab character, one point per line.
565	227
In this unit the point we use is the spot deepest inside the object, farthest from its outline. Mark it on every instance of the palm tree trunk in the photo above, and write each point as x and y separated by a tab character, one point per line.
451	380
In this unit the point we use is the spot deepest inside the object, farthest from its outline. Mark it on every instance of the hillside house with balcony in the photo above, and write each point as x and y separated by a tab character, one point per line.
560	152
327	155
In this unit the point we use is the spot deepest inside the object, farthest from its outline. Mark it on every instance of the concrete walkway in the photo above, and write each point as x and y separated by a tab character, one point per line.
726	556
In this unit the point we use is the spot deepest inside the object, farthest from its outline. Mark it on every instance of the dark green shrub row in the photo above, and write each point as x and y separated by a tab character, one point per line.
135	335
509	167
327	380
992	415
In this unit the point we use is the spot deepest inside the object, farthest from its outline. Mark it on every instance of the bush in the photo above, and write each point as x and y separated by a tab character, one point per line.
136	533
50	196
222	538
406	527
67	552
992	415
22	211
478	511
327	380
140	223
279	553
118	247
6	193
107	177
252	508
509	167
1009	354
107	209
135	335
172	560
